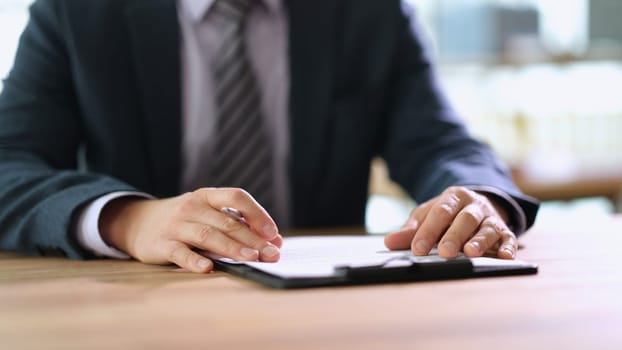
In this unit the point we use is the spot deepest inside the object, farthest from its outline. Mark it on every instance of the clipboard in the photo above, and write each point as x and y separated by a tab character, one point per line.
320	261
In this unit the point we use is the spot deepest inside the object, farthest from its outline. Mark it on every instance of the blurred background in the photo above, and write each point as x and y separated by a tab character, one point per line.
540	81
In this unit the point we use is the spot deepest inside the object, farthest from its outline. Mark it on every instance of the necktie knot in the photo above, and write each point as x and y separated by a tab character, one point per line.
235	10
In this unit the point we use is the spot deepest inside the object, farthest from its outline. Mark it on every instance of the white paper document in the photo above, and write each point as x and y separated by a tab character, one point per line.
319	256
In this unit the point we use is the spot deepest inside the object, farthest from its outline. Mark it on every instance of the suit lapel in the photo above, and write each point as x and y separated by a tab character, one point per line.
311	50
154	33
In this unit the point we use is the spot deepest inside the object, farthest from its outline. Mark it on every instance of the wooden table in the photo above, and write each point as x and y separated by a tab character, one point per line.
575	302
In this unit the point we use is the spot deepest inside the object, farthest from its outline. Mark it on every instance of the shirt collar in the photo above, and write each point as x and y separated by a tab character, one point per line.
197	9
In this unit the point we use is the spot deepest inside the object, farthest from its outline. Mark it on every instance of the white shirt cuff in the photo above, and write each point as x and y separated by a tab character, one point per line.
87	228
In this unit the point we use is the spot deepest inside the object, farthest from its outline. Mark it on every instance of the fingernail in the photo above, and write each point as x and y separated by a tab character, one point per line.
451	247
476	246
422	246
249	253
270	231
203	264
509	251
270	251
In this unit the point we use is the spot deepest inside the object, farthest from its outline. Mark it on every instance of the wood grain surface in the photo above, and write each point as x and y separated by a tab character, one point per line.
575	302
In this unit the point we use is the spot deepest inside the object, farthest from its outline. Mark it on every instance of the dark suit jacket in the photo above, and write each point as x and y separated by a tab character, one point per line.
92	106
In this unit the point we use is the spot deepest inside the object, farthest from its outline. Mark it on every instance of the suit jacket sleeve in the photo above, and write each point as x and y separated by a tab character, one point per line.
427	147
40	138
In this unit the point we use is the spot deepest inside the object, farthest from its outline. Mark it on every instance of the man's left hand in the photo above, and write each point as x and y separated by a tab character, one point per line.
458	219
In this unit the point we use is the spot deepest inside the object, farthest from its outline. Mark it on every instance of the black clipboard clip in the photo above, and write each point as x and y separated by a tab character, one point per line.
408	268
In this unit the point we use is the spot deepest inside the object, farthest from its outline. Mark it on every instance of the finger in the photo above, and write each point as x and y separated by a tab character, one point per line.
417	215
489	234
226	223
402	238
184	257
439	218
256	216
268	251
509	245
212	223
463	227
240	231
278	241
211	239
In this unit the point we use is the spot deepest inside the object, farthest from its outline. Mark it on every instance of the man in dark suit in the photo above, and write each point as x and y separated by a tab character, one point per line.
111	132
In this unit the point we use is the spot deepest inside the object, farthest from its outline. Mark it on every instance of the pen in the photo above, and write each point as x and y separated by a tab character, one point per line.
234	213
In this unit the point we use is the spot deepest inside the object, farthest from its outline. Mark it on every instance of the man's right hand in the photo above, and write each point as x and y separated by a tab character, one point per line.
170	230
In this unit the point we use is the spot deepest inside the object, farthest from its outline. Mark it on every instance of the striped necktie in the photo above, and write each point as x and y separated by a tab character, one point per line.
243	154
